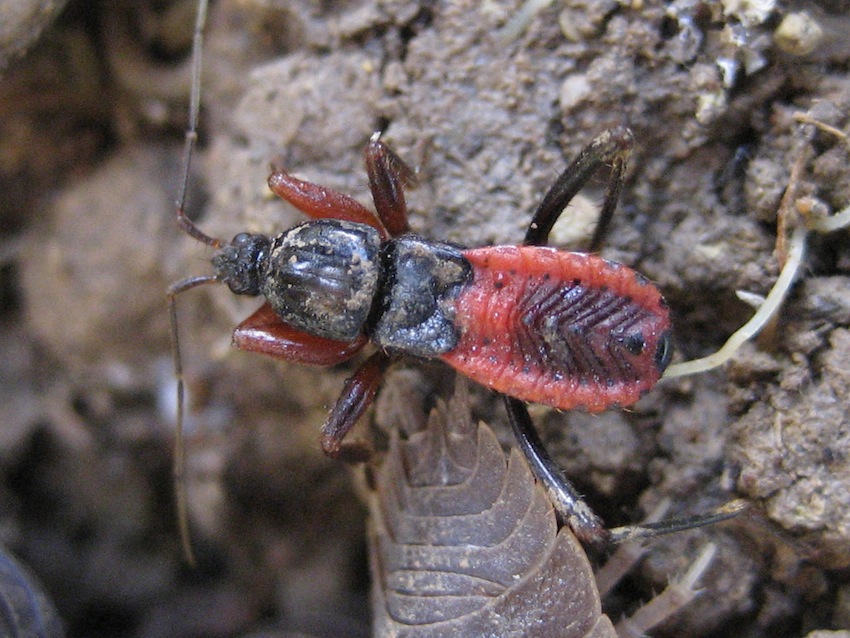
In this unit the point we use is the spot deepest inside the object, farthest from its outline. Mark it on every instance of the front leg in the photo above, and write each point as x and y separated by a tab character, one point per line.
265	333
319	202
388	175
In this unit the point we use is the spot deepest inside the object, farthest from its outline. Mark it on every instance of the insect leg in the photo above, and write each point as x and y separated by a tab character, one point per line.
569	506
265	333
319	202
609	148
388	175
356	397
672	525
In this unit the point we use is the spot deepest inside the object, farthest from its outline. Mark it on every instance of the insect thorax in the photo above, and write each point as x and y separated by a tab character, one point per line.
421	281
323	276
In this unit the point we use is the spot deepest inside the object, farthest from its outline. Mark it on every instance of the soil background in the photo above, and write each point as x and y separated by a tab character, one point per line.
490	107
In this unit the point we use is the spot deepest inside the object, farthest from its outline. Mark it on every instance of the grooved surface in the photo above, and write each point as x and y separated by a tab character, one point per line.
464	542
564	329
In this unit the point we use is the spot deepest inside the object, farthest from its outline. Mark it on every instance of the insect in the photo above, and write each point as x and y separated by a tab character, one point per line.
569	330
564	329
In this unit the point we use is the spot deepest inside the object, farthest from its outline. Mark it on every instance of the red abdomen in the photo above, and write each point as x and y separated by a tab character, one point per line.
563	329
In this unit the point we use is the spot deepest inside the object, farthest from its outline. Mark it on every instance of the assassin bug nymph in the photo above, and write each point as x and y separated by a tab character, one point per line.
565	329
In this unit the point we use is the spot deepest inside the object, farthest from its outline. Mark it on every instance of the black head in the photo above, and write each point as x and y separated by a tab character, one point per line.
242	263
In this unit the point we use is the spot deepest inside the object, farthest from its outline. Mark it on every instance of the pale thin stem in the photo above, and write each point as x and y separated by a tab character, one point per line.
767	310
793	260
805	118
626	557
839	220
678	594
520	21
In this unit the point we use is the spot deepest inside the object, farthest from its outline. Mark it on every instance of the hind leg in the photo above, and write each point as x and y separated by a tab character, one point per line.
610	148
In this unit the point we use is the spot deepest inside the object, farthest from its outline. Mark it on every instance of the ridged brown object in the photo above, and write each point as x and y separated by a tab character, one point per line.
25	609
465	543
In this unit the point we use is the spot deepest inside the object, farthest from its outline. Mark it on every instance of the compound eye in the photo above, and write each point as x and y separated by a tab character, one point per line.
663	351
241	238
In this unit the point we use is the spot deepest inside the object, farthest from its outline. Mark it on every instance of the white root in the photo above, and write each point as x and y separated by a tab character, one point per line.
678	594
764	314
